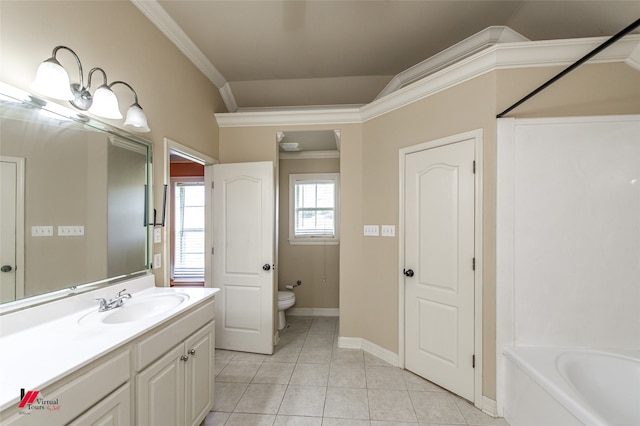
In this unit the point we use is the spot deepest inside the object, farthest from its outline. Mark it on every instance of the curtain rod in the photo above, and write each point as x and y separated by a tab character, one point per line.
575	65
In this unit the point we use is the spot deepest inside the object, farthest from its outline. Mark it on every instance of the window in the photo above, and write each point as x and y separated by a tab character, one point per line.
313	208
188	262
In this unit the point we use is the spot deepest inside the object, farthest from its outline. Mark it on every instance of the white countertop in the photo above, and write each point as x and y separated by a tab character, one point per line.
41	345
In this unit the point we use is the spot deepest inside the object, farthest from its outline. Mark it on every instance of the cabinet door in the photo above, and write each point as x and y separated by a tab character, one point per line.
160	391
199	374
114	410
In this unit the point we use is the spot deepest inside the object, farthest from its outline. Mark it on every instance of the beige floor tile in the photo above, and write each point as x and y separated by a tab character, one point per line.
417	383
297	421
274	373
238	371
384	378
227	395
347	403
240	419
328	421
261	398
436	407
215	419
348	356
347	376
312	355
310	375
374	360
303	401
391	405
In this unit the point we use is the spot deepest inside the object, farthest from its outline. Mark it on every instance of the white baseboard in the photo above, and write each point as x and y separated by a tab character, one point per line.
314	312
372	348
489	406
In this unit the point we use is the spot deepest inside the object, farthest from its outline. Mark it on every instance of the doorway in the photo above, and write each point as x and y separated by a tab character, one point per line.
310	160
440	259
188	176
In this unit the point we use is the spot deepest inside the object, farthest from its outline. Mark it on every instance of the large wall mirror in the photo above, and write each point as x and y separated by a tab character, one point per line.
73	201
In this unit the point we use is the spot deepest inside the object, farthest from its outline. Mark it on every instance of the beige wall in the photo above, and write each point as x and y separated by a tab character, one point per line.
369	269
462	108
317	266
178	99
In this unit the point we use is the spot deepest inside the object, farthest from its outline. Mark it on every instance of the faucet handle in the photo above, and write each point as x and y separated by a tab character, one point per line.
103	303
127	295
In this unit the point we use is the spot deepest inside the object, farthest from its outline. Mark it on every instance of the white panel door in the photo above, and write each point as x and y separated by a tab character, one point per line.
244	232
12	228
439	276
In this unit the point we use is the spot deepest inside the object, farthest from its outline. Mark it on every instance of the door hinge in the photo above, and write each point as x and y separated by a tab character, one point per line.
213	184
473	263
473	361
474	167
213	250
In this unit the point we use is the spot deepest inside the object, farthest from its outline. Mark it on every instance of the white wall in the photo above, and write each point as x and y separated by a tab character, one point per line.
568	260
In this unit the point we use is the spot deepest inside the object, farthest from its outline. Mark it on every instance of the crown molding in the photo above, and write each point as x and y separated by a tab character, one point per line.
309	155
499	56
284	117
161	19
479	41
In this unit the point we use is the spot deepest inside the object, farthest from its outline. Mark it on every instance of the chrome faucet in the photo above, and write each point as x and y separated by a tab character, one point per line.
116	302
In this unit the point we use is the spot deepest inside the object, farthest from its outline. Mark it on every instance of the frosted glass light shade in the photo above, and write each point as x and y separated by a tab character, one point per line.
105	103
136	119
52	81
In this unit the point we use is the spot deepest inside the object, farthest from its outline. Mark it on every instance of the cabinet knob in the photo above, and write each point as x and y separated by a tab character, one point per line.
184	357
192	351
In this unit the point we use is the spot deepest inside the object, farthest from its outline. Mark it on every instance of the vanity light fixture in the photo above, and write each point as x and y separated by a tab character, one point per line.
52	80
135	120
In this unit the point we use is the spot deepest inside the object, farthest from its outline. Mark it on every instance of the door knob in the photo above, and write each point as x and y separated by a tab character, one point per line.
408	272
266	267
6	268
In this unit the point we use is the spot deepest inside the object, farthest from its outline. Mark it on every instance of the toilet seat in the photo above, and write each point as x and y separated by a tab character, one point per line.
286	295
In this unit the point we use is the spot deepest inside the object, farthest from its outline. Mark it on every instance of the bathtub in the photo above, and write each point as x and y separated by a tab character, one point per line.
564	387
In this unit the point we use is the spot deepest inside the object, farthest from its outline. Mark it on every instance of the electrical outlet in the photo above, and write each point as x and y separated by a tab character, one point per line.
42	231
388	230
157	235
70	231
371	230
157	261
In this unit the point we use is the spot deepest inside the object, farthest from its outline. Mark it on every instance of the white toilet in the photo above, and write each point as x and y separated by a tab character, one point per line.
286	299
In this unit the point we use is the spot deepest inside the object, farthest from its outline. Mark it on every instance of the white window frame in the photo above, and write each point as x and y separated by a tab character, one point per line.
312	240
174	182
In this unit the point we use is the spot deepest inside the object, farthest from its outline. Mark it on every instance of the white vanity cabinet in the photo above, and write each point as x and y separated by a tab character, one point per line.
154	373
177	388
102	386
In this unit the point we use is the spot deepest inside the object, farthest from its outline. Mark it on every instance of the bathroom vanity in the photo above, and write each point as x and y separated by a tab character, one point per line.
147	362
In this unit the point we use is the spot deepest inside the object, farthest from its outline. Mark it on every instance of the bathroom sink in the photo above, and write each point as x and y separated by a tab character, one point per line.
137	309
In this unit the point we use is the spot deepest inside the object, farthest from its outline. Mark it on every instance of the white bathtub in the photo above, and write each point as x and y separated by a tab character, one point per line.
563	387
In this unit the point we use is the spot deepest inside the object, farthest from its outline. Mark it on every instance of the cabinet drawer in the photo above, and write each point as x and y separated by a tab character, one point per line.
83	389
113	410
156	344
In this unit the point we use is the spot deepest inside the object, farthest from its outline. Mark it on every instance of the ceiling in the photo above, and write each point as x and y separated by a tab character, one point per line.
323	53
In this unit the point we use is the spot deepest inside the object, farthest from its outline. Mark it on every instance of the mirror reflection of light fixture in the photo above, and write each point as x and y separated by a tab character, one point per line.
290	146
52	80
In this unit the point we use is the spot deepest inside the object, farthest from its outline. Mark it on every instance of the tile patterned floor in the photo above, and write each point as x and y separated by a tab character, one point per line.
309	381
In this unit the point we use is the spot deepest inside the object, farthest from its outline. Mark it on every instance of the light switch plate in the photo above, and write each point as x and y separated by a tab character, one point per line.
70	231
157	235
371	230
388	230
157	261
42	231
